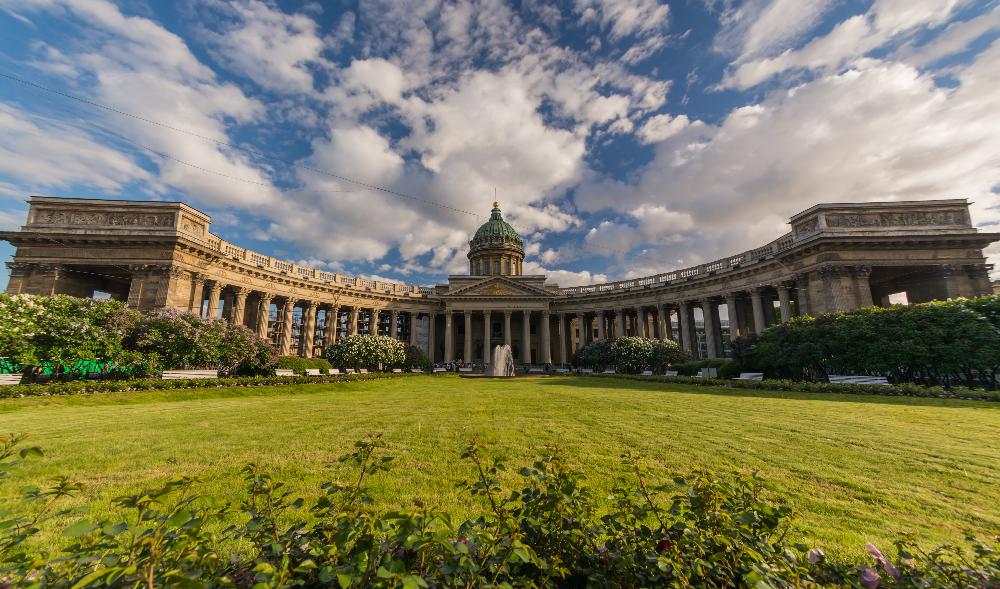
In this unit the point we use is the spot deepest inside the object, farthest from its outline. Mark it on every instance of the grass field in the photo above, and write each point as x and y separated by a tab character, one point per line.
856	469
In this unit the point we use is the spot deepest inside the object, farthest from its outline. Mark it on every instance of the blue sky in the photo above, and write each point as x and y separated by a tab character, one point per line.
623	137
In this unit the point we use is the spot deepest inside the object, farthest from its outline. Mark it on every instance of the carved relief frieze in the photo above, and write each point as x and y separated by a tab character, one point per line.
807	226
897	219
98	218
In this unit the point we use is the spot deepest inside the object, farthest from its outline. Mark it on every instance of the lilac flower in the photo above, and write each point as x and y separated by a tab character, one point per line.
883	561
815	556
869	577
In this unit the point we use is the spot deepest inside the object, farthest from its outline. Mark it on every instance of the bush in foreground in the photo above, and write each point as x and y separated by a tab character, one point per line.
630	354
298	364
712	532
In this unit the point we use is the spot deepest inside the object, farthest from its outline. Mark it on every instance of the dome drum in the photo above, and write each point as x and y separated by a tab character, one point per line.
496	248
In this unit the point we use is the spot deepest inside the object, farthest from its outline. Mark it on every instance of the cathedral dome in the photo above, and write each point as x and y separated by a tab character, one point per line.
496	248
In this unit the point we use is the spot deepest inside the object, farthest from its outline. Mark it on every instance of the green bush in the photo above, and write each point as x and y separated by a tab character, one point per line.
629	354
416	358
693	367
948	343
374	352
710	531
298	364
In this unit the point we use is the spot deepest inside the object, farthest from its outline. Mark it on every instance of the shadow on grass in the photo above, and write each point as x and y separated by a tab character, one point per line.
668	387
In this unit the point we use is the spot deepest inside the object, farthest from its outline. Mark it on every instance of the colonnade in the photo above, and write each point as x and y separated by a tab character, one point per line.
478	328
317	325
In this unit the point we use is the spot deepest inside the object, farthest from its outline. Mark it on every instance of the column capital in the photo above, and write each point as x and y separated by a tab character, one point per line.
241	291
198	278
861	270
311	305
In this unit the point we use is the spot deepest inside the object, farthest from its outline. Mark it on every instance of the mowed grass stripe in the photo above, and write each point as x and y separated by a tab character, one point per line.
856	469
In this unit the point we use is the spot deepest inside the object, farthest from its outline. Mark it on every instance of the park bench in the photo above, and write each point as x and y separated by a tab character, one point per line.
536	371
334	372
312	372
182	374
750	376
586	371
362	371
397	370
416	371
709	373
561	370
848	379
440	370
10	379
466	369
284	372
647	373
609	371
670	373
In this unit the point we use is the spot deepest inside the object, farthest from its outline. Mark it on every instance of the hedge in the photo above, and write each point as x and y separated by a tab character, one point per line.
298	364
151	384
892	390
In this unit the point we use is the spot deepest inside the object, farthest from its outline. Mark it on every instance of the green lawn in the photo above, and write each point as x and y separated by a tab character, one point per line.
856	469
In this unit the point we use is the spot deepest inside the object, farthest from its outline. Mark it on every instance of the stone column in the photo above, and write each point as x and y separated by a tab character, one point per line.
759	321
487	319
394	324
214	292
862	285
802	294
640	313
449	337
285	337
785	302
506	328
580	331
545	341
666	329
563	358
734	316
526	338
352	320
686	326
979	279
600	325
330	326
708	311
239	305
263	315
197	293
414	317
620	323
467	340
373	322
308	336
431	336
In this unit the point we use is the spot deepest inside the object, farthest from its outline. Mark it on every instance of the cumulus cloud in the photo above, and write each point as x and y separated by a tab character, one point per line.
663	126
885	21
878	131
140	67
46	154
263	43
764	27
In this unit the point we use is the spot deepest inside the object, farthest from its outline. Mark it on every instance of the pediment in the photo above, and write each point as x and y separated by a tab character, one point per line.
499	286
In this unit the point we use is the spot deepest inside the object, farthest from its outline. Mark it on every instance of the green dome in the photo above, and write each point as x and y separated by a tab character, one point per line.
496	228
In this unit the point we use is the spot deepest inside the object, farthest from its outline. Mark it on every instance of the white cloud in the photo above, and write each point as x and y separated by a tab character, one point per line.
955	38
886	21
661	127
564	278
624	18
268	46
140	67
878	131
764	27
43	154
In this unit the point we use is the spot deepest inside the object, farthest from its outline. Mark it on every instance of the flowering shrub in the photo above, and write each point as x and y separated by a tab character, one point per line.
374	352
950	343
182	340
630	354
712	532
62	329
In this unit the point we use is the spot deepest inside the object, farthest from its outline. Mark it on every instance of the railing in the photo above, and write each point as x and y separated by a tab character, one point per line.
725	264
305	272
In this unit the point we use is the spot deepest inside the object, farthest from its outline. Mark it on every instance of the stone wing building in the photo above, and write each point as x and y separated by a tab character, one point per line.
163	255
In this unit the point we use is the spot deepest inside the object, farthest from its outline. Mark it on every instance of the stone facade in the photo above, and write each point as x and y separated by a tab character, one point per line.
837	257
